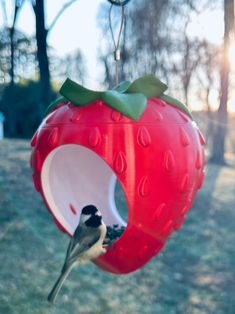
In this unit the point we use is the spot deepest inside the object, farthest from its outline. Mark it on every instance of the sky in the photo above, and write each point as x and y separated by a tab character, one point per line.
78	28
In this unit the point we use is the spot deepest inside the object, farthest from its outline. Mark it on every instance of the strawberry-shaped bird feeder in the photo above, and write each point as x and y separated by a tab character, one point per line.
135	134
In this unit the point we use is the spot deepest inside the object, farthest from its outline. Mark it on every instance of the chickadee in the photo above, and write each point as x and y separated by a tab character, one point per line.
85	245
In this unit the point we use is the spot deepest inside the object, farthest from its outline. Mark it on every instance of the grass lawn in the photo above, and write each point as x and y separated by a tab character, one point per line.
194	274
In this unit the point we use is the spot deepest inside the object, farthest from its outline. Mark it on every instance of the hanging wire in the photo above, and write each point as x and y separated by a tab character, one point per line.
117	53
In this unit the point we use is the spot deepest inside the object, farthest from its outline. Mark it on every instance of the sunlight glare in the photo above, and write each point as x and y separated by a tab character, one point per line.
231	105
231	54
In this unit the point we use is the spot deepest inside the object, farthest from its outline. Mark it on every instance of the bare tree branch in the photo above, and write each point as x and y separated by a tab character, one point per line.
5	19
18	6
61	11
33	2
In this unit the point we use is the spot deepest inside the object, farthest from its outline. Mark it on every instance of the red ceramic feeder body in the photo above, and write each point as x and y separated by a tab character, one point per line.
80	152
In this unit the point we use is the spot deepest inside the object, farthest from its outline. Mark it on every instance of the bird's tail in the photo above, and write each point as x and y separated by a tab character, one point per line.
55	290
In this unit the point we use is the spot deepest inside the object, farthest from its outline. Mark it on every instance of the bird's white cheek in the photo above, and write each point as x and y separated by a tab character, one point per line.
84	218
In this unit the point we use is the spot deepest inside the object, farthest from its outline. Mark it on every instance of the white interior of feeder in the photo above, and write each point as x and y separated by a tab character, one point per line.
74	176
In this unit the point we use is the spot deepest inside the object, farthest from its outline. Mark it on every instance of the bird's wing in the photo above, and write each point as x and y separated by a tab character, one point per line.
82	240
77	235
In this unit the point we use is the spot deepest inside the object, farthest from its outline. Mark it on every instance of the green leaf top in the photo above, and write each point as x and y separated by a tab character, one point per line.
54	104
175	102
148	85
132	105
78	94
122	87
128	98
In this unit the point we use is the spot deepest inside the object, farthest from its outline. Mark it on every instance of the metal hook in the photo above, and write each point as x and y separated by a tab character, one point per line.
117	53
119	2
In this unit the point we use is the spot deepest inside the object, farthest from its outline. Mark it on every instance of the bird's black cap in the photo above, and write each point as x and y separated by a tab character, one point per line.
94	221
89	210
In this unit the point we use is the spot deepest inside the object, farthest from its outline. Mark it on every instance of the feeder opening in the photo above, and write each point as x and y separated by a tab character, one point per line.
120	200
73	176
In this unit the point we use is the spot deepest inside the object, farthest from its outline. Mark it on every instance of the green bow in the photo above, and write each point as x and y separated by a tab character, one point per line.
128	98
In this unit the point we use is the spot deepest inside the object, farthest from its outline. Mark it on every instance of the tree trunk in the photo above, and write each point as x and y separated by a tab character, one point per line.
12	45
12	68
210	125
218	148
42	56
186	87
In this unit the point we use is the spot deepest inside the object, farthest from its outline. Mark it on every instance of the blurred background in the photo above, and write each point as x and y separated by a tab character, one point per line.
190	45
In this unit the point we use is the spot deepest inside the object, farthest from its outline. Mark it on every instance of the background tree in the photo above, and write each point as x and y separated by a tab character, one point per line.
155	40
218	148
20	56
208	82
72	65
137	49
187	60
42	55
24	65
24	56
42	32
16	8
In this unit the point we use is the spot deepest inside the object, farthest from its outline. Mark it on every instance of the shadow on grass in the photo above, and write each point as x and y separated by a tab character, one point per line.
202	253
